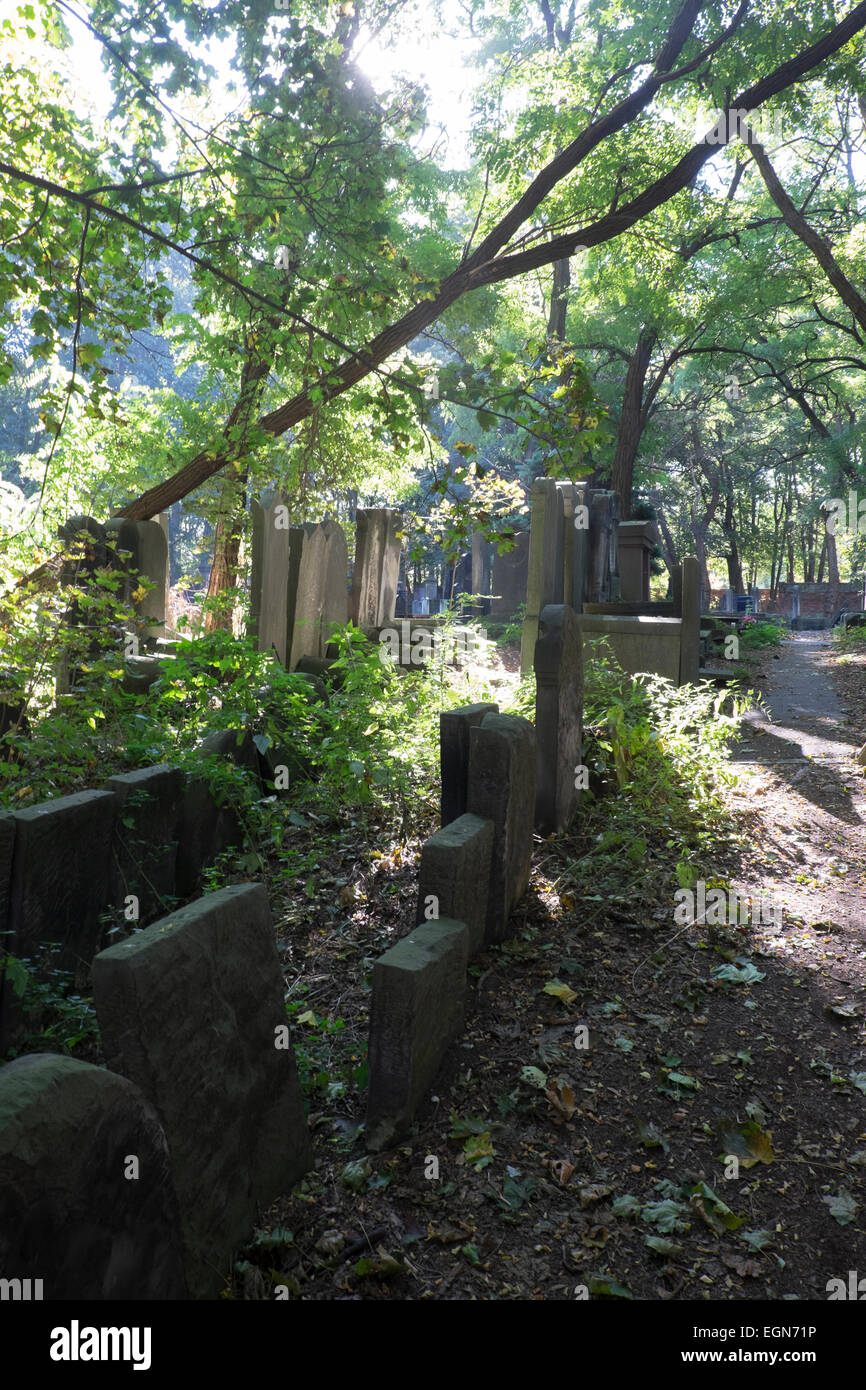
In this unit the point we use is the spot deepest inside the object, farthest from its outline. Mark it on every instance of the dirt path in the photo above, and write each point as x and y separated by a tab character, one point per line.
805	794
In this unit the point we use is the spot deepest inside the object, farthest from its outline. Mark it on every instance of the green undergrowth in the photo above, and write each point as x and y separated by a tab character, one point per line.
657	765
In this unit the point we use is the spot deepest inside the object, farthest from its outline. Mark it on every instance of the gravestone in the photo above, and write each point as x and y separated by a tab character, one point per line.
140	548
481	573
501	788
455	871
60	877
84	538
454	727
690	634
509	579
9	1007
377	566
558	716
602	584
636	541
269	578
416	1013
191	1009
544	583
728	604
335	586
573	547
316	596
144	849
209	823
75	1212
7	845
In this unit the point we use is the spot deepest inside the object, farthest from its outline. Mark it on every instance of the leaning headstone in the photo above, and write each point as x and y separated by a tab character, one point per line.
454	726
144	849
545	578
269	578
509	578
416	1012
377	566
690	632
60	877
454	876
558	716
87	1201
191	1009
501	788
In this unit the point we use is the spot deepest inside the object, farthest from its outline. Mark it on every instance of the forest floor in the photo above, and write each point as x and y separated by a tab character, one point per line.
541	1168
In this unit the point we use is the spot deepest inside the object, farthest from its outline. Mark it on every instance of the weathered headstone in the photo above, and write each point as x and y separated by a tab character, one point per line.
416	1012
144	849
481	573
335	586
141	549
509	578
377	566
317	598
84	539
87	1201
192	1010
544	583
690	634
454	876
603	566
454	727
269	577
501	788
7	845
558	716
209	823
728	604
60	877
9	1011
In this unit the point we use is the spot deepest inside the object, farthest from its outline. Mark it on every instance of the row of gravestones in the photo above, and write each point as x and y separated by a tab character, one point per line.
502	778
80	868
141	1180
299	582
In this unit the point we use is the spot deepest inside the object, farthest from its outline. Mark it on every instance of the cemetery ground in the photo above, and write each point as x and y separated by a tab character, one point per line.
577	1139
540	1170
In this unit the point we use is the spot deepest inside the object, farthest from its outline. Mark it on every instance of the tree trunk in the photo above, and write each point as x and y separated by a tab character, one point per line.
226	551
632	420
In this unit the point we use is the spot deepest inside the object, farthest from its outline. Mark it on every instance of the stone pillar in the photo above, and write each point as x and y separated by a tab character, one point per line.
690	632
481	573
636	541
558	716
377	566
603	567
544	578
501	788
270	573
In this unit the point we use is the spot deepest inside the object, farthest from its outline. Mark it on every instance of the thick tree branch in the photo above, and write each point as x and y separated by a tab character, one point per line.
478	271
